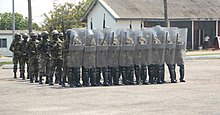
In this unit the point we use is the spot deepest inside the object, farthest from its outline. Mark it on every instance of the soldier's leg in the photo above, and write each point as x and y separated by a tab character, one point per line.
98	76
137	74
31	69
131	74
124	76
93	78
85	76
105	76
181	72
115	74
171	68
110	78
59	70
77	79
71	77
47	71
22	66
144	74
52	70
160	74
163	74
151	68
15	62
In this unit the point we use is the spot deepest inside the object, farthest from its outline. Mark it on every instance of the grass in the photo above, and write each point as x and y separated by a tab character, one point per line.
3	63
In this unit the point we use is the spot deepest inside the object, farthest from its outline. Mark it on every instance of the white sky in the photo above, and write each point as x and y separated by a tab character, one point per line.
38	7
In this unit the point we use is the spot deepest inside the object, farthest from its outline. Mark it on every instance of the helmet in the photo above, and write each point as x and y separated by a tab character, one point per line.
33	34
25	35
44	33
17	34
39	34
61	34
54	32
68	31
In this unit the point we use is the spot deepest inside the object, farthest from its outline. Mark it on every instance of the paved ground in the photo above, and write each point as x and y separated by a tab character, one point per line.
199	95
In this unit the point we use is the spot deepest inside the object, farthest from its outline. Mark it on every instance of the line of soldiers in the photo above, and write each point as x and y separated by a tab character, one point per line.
101	54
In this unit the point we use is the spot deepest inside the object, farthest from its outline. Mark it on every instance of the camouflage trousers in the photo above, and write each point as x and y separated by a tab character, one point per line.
24	60
56	67
16	60
44	65
33	65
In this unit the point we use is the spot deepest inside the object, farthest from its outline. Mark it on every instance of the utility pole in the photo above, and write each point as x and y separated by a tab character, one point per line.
165	14
13	19
29	17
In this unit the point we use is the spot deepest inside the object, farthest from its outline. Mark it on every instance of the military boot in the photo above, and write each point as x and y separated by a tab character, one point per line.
160	74
15	76
151	73
36	78
182	73
40	80
47	79
115	74
171	68
31	78
51	80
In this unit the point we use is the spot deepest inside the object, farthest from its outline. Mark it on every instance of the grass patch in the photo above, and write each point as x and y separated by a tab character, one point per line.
3	63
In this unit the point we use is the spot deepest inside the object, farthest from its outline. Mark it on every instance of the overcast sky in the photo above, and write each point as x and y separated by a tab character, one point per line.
38	7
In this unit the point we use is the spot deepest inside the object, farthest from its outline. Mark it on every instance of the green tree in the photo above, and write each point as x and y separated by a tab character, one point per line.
69	13
21	22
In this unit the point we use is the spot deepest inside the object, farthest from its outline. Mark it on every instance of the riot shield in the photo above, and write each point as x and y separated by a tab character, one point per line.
158	45
114	49
171	45
181	46
127	47
76	47
102	38
142	47
89	50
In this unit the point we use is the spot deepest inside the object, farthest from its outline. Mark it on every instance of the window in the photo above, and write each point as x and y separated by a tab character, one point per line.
3	43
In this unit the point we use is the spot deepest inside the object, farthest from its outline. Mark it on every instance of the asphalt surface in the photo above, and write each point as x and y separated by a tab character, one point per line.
200	95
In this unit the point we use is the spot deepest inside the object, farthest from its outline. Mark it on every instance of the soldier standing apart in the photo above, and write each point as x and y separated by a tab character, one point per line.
32	55
24	55
15	49
55	49
206	40
44	57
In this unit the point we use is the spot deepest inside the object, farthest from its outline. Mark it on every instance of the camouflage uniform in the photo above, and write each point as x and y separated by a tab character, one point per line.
44	57
24	55
55	49
17	54
32	54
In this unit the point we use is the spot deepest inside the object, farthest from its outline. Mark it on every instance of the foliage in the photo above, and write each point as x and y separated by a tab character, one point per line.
21	22
69	13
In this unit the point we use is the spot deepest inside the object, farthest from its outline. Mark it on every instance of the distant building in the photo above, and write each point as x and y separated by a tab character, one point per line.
5	41
199	16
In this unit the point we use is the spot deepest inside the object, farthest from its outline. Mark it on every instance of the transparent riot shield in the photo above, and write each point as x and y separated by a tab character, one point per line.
114	48
171	45
158	45
102	38
76	47
181	46
148	34
89	60
127	47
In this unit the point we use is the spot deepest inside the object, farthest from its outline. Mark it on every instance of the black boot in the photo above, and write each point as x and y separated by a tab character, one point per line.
47	79
115	75
51	80
31	78
15	76
159	76
40	80
151	73
182	73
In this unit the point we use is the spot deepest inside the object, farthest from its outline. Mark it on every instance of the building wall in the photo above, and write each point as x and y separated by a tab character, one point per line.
6	51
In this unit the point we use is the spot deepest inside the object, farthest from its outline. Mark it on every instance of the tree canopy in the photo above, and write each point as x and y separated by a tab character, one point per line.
69	13
21	22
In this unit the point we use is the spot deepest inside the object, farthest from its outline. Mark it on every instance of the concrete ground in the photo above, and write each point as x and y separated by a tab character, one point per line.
199	95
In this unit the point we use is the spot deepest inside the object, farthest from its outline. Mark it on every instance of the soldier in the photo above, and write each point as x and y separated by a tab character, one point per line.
17	54
24	55
55	49
61	37
32	55
44	57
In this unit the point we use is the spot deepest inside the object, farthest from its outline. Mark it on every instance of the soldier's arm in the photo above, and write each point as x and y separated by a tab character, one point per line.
12	46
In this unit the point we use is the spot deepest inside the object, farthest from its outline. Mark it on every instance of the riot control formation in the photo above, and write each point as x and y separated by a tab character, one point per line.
94	57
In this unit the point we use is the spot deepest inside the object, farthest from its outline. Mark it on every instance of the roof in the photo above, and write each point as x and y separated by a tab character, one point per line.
9	32
154	9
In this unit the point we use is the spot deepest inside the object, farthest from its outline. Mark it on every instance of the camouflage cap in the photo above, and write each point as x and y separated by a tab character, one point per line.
25	35
17	34
33	34
44	33
54	32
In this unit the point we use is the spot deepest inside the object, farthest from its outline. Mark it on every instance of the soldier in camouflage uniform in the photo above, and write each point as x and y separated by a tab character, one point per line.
44	57
32	55
55	49
17	54
24	55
